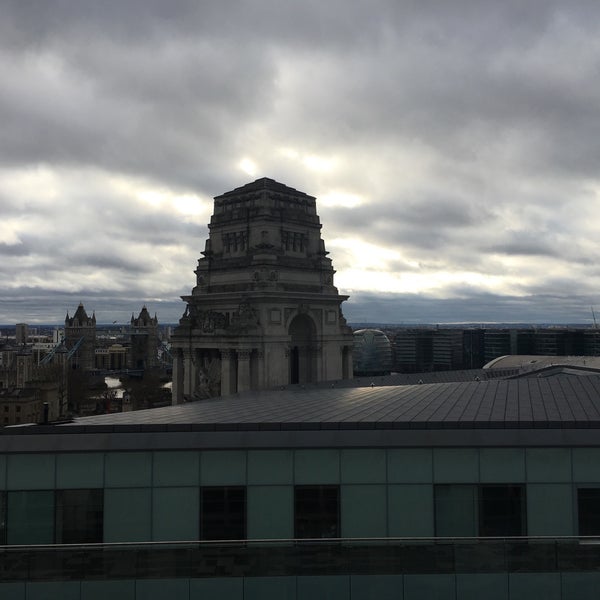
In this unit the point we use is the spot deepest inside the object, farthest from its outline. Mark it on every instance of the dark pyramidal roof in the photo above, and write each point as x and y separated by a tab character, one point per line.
262	184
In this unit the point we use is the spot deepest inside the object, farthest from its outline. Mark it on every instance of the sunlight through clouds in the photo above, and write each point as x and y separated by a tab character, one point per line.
248	166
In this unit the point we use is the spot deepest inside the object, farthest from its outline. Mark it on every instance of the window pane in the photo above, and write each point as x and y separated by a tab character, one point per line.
223	513
30	517
456	510
317	511
588	505
2	517
502	510
79	516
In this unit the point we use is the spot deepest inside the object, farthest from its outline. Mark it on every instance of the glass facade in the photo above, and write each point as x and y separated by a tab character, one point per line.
168	498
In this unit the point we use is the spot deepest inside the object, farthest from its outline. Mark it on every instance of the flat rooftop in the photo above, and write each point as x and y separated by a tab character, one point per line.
562	401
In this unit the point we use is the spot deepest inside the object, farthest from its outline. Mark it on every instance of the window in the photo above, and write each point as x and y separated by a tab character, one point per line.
316	511
588	508
223	513
79	516
501	510
2	518
480	510
30	517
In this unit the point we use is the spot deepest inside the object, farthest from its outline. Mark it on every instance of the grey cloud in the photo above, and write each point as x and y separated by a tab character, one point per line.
13	249
494	105
471	307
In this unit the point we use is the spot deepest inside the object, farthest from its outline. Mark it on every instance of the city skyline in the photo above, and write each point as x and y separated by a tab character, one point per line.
451	146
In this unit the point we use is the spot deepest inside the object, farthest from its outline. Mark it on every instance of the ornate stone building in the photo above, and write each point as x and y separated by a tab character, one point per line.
264	311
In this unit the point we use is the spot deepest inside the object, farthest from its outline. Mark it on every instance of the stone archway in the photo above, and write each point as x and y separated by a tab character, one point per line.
303	345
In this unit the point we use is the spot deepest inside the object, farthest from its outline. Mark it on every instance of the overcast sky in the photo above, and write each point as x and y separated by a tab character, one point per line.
453	147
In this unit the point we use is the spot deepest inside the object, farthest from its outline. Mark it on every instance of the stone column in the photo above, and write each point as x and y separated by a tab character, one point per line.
348	368
177	390
243	375
189	372
226	357
260	366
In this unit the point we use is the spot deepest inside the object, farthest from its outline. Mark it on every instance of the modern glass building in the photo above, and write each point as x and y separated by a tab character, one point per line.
372	353
457	490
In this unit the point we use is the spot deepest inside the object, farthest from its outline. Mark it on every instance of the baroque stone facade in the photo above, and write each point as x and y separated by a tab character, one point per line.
264	311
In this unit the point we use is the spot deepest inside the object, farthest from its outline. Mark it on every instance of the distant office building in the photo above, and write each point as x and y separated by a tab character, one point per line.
423	349
264	311
591	342
473	348
111	358
21	333
372	354
543	341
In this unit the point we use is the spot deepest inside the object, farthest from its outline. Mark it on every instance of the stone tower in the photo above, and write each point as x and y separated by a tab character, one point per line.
80	331
143	335
264	311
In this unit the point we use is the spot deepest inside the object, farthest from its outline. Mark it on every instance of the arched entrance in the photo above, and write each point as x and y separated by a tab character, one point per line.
303	345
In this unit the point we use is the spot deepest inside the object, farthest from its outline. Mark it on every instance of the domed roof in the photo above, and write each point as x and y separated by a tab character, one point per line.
372	354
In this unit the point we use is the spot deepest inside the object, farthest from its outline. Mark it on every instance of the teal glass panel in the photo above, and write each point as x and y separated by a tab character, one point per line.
363	466
528	586
270	513
47	590
550	509
12	591
128	469
127	515
410	465
176	468
332	587
223	467
586	465
456	510
410	510
161	589
363	510
112	590
78	471
30	517
225	588
419	587
502	465
580	586
270	467
546	465
317	466
2	472
175	514
270	588
456	465
491	586
30	471
376	587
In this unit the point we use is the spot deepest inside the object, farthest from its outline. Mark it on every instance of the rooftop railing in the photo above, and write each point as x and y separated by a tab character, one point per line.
251	558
